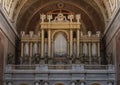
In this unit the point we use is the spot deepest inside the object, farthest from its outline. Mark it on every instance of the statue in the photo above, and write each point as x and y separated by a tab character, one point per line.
109	58
81	34
42	17
39	33
49	17
60	17
10	58
31	33
22	33
89	33
71	17
98	33
78	17
25	59
35	59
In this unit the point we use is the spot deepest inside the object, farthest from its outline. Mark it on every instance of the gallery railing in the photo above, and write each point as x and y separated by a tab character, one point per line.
46	67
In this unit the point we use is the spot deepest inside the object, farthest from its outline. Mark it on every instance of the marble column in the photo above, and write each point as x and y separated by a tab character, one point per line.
71	42
52	48
31	50
38	47
49	43
42	43
39	44
78	42
89	47
22	49
98	46
68	54
81	48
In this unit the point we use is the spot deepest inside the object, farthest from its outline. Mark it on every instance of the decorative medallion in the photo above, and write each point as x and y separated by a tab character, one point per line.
60	5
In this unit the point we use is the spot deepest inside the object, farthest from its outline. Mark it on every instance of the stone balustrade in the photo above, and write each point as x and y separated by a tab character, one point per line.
73	67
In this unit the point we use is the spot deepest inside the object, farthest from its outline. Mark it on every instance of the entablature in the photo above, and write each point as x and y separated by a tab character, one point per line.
60	25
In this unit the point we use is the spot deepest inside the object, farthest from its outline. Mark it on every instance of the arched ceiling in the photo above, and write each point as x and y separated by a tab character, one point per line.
93	13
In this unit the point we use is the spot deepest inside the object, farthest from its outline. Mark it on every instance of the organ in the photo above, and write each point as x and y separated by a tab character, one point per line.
60	39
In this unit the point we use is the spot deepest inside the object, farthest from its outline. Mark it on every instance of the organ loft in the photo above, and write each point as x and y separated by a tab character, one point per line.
60	40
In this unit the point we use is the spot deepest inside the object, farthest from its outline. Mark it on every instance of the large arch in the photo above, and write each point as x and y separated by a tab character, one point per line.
57	31
91	19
